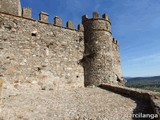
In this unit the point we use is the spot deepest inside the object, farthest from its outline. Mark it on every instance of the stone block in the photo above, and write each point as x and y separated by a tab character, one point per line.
27	12
114	40
80	27
58	21
43	17
105	16
84	17
95	15
11	7
70	25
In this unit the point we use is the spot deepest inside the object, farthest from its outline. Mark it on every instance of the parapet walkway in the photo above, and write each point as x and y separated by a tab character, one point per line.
70	104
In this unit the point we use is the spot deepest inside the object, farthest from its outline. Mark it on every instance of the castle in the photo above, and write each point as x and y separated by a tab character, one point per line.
36	52
45	70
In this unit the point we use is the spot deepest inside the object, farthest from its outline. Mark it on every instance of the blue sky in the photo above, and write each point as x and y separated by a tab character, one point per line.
135	24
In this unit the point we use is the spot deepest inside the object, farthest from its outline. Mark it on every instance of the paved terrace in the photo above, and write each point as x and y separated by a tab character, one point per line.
75	104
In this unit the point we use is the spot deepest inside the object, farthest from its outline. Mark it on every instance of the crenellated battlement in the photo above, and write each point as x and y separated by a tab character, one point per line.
115	41
43	18
85	56
27	12
97	23
95	16
13	7
58	21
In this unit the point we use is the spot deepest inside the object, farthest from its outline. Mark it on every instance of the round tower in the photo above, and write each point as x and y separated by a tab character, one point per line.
98	55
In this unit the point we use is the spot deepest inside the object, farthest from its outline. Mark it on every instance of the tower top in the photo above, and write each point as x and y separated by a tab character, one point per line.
97	23
96	17
10	7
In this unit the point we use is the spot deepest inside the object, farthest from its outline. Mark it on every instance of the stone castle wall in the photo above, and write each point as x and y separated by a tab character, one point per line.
39	54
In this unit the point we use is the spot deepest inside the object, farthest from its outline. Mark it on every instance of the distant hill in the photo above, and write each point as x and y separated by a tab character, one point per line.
143	78
151	83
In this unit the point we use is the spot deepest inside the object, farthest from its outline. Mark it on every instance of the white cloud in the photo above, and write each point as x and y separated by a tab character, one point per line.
149	58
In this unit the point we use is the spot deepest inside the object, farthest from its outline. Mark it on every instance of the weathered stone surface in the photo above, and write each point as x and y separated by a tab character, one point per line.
105	16
155	102
100	53
95	15
11	7
80	27
58	21
40	56
27	12
116	61
43	17
70	25
153	98
69	104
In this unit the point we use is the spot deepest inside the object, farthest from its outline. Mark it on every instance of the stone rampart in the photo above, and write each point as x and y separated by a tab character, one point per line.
38	54
44	55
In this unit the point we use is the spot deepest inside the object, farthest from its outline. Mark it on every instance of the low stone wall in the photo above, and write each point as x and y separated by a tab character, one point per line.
152	97
155	102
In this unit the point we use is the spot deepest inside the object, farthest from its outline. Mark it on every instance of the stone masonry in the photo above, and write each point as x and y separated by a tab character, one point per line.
38	54
44	68
11	7
101	52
